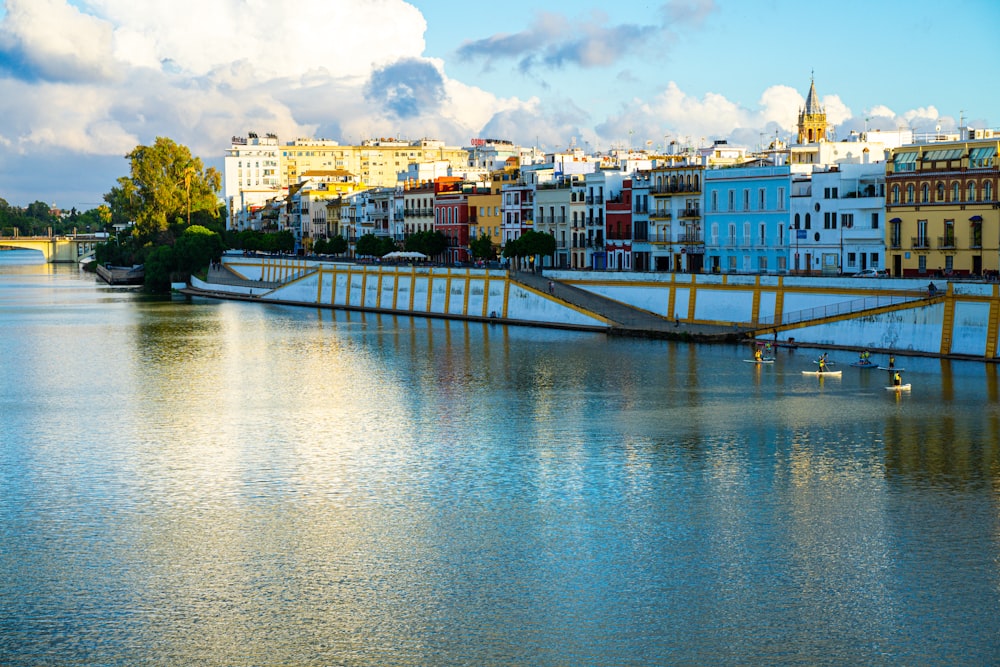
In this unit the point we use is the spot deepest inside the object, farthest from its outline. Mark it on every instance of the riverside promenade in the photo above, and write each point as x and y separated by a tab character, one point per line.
622	319
958	320
626	320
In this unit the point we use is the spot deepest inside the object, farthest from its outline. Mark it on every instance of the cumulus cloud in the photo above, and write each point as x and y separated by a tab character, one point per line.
53	41
407	88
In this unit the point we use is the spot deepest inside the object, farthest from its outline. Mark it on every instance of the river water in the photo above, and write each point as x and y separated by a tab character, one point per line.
222	483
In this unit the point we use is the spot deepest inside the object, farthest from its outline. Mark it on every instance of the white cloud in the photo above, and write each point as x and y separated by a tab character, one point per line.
55	41
276	37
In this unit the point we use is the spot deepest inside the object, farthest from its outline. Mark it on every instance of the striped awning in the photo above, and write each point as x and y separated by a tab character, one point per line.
905	158
943	154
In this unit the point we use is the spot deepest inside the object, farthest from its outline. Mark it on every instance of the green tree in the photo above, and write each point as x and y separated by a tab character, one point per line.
482	248
368	246
195	249
165	184
337	245
321	246
159	266
431	243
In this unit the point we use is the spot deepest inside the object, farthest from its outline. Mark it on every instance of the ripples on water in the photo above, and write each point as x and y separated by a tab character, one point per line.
223	483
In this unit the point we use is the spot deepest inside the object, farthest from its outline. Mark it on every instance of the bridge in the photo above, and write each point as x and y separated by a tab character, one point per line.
57	249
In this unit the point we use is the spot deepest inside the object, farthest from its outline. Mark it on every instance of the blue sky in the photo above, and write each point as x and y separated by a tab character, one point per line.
83	82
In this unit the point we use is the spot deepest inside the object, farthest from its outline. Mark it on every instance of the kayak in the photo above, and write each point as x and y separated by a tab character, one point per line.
886	368
834	373
901	387
861	364
759	361
828	363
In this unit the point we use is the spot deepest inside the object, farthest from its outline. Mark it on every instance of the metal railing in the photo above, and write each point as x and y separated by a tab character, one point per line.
837	309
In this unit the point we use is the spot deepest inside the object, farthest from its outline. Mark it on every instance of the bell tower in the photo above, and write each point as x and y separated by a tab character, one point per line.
812	118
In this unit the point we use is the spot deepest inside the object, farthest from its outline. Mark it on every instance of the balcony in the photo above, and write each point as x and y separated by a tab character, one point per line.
690	213
690	237
946	243
920	242
660	215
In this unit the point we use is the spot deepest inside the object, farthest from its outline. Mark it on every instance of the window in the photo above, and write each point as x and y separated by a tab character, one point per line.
971	196
921	241
762	264
746	200
873	262
925	194
954	191
781	199
895	194
732	234
851	260
922	263
949	234
874	220
910	191
988	191
763	234
796	225
847	220
732	200
760	199
808	221
746	233
940	191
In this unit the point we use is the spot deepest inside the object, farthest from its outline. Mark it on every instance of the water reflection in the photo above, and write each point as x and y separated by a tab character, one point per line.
226	483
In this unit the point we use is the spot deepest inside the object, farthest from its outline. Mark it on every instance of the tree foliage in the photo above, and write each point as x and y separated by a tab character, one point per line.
530	244
371	245
165	184
431	243
196	248
482	248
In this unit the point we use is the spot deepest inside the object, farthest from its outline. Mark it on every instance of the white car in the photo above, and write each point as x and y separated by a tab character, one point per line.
868	273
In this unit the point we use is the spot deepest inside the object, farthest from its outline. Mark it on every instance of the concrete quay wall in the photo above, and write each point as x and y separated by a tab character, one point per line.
419	290
962	322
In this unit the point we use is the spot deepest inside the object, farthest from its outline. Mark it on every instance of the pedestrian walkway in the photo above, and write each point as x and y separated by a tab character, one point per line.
626	320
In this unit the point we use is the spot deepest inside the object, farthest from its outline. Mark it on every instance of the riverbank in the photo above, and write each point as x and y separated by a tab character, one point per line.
960	320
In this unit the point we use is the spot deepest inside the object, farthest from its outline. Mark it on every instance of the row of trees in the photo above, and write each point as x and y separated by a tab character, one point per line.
39	219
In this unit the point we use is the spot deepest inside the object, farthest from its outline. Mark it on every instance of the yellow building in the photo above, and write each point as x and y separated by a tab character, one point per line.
941	208
376	162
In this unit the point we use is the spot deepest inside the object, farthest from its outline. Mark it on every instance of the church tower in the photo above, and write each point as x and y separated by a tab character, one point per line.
812	119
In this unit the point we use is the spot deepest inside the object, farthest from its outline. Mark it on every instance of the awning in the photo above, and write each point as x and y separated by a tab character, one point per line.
905	158
896	220
944	154
976	218
984	152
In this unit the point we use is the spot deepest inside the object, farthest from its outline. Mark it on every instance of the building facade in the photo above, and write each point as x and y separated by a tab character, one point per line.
747	218
942	209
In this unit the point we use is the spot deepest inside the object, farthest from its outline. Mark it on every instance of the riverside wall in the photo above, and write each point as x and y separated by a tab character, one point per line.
961	322
419	290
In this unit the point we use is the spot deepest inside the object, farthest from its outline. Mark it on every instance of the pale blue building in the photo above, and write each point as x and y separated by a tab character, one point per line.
747	219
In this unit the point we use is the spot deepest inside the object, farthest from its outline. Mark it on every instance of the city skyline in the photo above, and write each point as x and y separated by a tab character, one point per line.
82	83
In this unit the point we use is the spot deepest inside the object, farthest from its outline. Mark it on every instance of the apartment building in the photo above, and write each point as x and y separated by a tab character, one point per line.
942	208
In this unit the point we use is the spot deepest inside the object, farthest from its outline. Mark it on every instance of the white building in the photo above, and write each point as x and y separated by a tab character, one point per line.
838	219
252	177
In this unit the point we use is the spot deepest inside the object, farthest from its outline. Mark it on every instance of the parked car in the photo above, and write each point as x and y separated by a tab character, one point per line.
869	273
